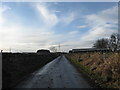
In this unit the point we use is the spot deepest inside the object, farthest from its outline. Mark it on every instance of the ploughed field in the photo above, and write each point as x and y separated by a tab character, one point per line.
16	66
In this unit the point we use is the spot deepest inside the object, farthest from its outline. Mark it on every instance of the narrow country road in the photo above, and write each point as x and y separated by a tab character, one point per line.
59	73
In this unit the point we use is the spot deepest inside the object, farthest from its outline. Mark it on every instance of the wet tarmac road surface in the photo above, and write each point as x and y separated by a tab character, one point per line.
59	73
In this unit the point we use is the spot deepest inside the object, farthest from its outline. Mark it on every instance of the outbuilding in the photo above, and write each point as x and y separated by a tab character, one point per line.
43	51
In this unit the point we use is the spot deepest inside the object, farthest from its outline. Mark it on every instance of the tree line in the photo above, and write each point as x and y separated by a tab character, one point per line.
111	43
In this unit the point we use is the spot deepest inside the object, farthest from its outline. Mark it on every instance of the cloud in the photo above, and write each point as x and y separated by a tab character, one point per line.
98	32
73	32
23	38
82	26
57	11
102	24
103	17
3	9
75	44
48	17
69	18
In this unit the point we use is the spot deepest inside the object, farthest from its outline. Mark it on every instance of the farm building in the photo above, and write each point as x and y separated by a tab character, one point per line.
88	50
42	51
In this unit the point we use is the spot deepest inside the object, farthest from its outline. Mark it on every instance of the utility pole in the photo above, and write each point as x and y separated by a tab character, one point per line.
10	50
59	47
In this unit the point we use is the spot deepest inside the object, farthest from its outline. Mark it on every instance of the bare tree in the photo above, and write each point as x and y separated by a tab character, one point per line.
54	49
114	42
118	41
101	43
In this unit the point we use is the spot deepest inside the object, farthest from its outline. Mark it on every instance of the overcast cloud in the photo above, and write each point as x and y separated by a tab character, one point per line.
54	26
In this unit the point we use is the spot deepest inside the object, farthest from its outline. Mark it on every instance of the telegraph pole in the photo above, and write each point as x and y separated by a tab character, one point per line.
59	47
10	50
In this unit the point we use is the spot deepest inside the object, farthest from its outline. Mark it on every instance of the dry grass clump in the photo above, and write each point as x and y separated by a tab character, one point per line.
106	65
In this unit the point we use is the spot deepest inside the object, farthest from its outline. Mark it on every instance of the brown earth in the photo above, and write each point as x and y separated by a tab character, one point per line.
18	65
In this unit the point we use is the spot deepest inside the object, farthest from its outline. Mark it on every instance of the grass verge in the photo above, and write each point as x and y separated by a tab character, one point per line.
94	79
